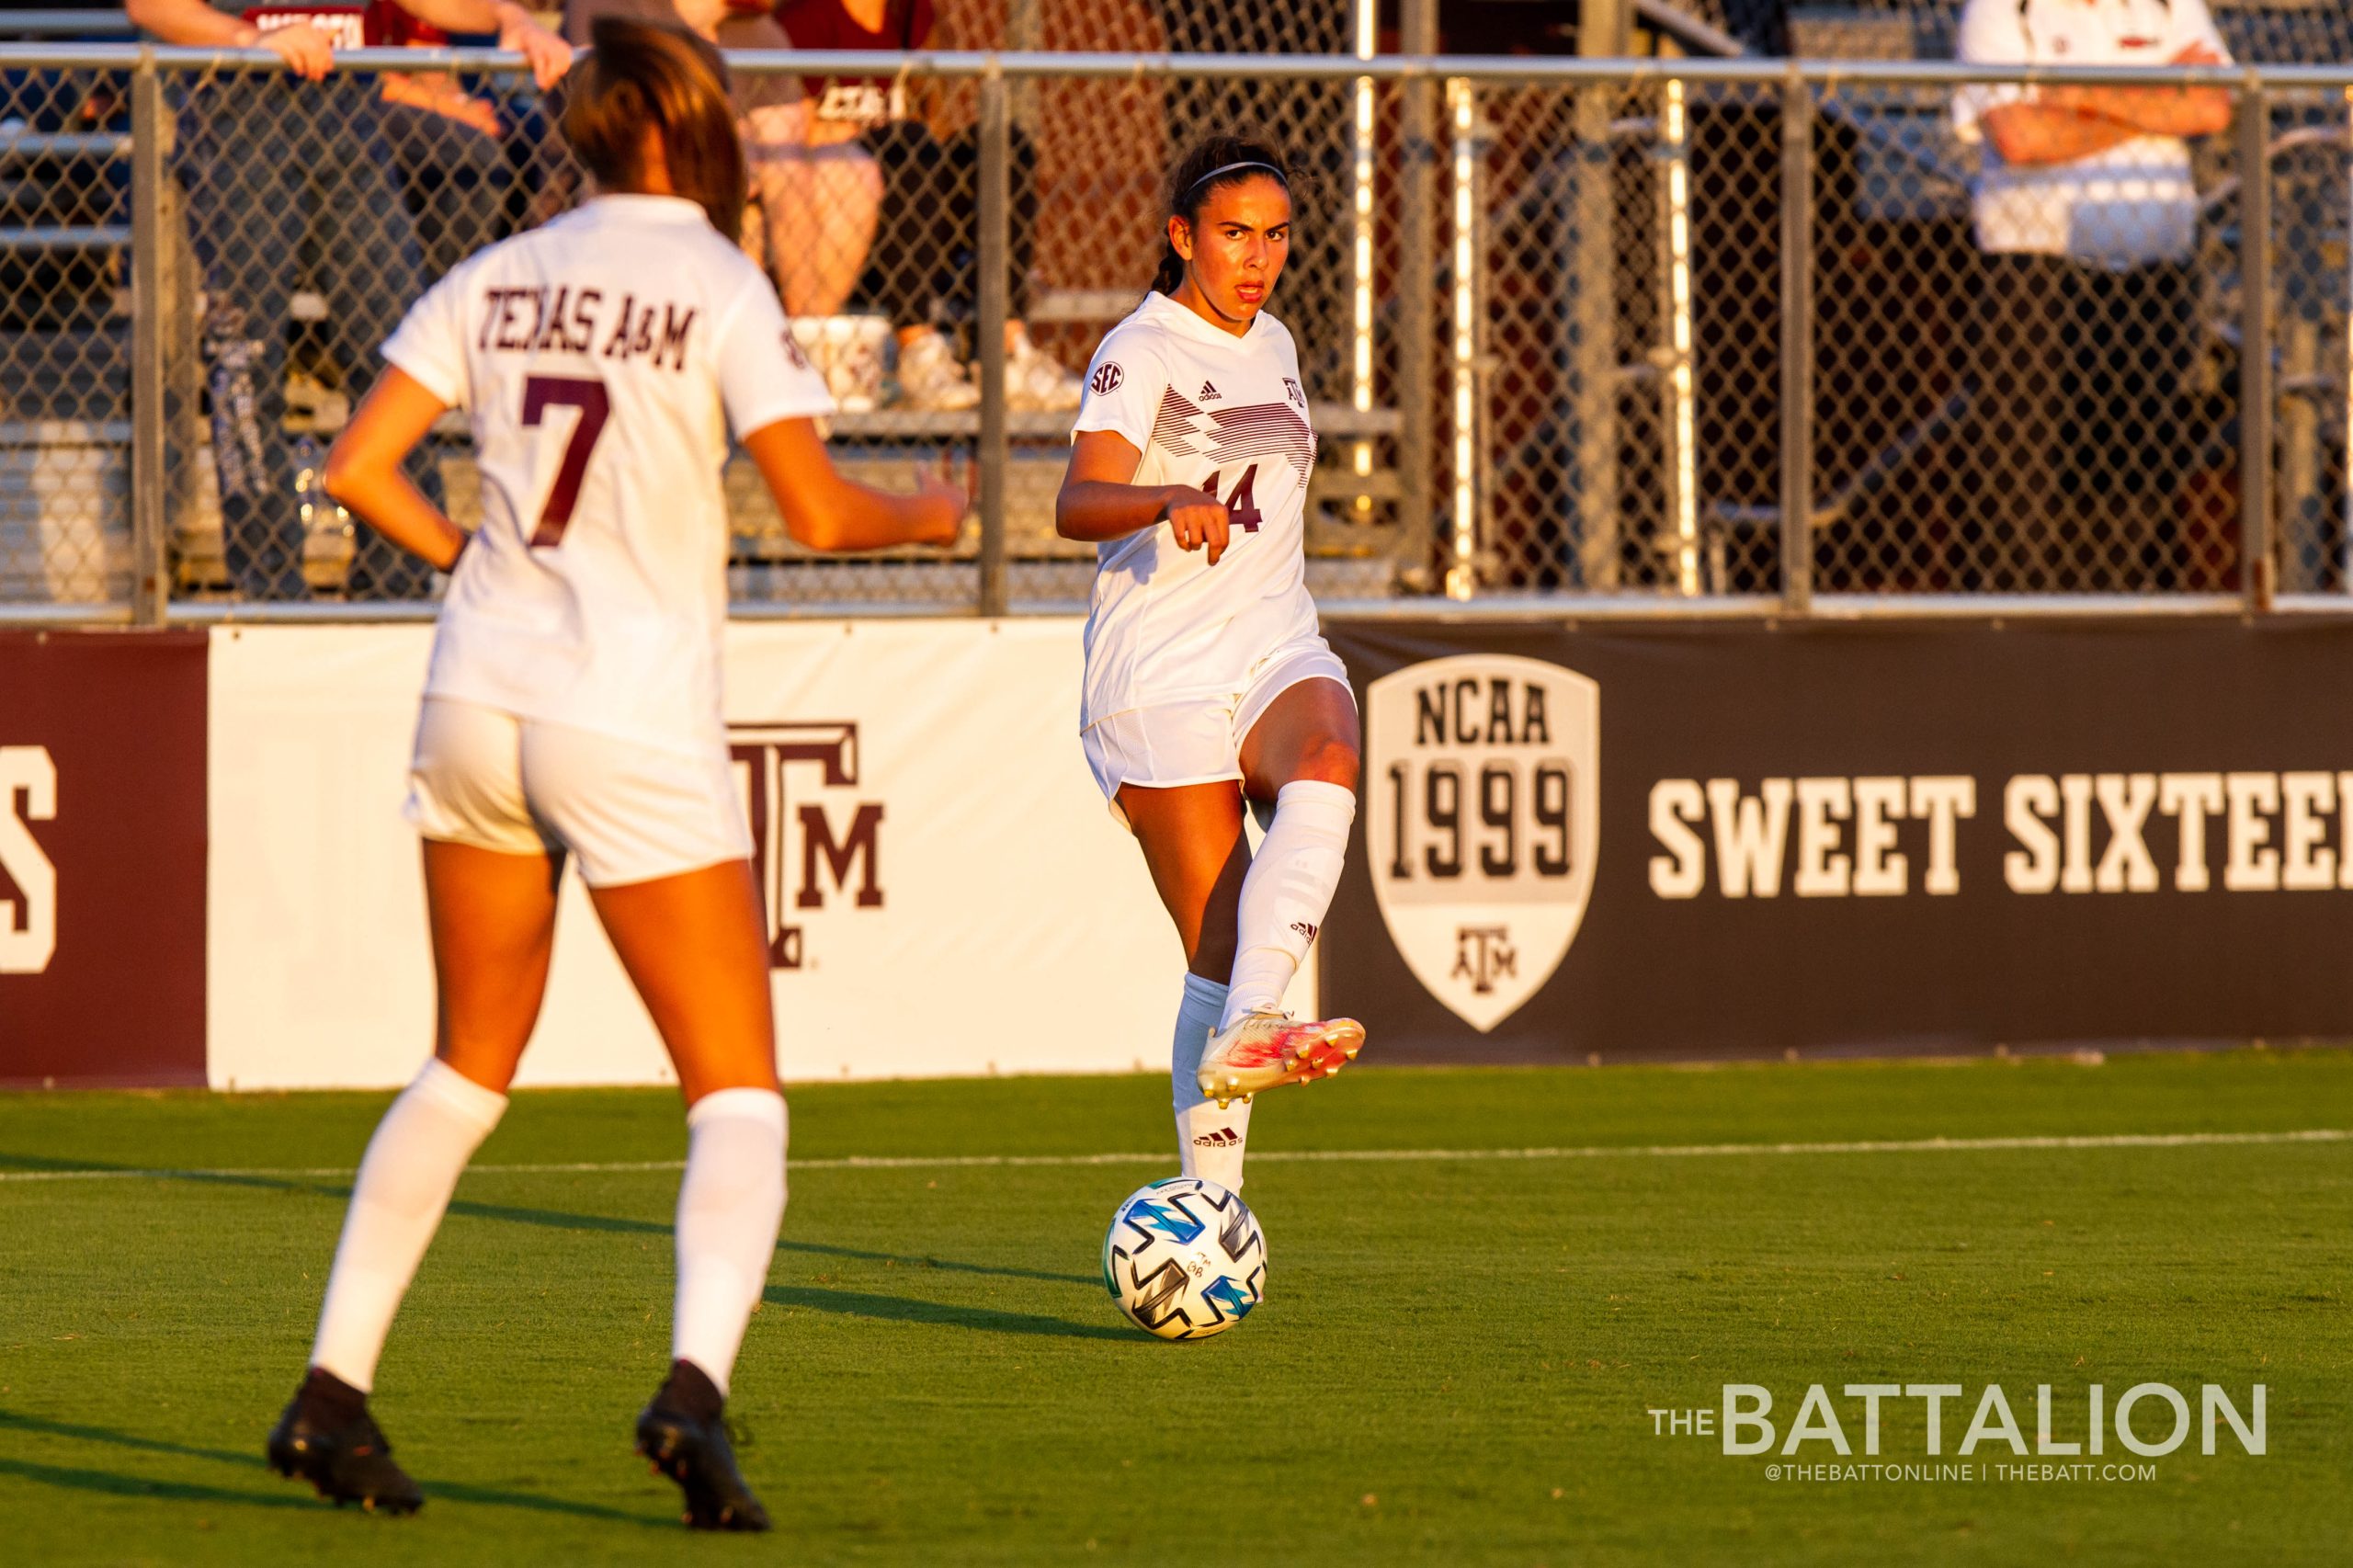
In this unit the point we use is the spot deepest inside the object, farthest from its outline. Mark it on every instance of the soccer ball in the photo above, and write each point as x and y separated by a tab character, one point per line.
1185	1259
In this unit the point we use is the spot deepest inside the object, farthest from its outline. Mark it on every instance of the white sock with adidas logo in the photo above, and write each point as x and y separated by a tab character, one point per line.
1208	1141
1286	892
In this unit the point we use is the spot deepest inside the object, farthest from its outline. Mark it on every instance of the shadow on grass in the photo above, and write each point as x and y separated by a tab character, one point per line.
902	1309
926	1261
550	1218
116	1486
194	1491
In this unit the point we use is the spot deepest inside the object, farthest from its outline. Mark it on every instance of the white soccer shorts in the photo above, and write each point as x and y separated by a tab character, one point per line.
1200	741
630	812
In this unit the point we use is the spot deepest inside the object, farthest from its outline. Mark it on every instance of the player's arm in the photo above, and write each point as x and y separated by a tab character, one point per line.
826	511
196	25
1097	502
364	469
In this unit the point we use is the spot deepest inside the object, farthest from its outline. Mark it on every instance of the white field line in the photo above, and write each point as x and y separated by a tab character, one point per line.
1294	1157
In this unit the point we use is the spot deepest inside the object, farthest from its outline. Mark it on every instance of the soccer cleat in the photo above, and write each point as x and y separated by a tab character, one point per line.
1267	1049
327	1438
685	1438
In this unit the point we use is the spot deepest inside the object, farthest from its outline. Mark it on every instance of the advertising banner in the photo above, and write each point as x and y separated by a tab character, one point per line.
102	828
947	894
1710	840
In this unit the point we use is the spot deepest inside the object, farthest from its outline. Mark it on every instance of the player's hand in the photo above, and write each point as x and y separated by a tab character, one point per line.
1199	522
548	56
307	52
943	511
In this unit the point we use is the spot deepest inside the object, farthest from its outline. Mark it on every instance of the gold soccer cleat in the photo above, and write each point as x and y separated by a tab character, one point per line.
1267	1049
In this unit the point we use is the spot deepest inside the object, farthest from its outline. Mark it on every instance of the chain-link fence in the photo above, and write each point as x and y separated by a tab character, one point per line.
1668	333
65	382
1783	332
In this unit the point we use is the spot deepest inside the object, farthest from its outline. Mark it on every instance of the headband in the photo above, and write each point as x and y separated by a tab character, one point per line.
1229	168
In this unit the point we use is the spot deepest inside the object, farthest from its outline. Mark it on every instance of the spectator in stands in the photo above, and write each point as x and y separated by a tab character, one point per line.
276	164
450	145
815	208
2089	322
926	245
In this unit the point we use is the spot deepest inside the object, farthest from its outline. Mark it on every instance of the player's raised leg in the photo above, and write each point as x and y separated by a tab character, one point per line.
1302	753
493	920
694	946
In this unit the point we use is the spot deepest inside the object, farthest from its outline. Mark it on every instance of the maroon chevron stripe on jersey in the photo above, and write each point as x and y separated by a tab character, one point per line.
1263	430
1172	428
1253	430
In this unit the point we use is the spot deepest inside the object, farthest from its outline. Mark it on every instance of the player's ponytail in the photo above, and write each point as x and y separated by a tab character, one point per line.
638	75
1214	162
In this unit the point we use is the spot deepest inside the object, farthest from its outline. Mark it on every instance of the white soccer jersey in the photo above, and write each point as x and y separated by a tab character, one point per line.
1221	414
601	360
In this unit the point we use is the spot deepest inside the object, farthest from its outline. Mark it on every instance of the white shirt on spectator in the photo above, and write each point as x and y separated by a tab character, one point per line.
601	360
1217	413
2125	207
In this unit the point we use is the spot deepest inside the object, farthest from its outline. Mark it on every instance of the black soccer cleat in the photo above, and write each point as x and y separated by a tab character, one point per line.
685	1437
327	1438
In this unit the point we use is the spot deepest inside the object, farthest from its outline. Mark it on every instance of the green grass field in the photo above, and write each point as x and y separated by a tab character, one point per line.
1453	1364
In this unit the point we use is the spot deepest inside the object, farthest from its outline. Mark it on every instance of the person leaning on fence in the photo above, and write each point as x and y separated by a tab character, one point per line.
926	237
2089	312
450	146
811	217
277	165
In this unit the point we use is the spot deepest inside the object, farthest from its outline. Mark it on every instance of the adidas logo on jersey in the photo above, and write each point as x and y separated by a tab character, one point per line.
1223	1138
1210	392
1304	929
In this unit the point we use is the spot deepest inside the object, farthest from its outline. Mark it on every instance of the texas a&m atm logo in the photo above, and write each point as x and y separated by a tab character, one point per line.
1481	821
818	845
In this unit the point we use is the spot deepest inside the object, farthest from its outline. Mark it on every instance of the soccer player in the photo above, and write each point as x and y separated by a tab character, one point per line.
1206	678
573	708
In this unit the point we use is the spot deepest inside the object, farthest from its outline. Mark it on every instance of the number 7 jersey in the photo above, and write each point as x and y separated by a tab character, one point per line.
1224	415
601	360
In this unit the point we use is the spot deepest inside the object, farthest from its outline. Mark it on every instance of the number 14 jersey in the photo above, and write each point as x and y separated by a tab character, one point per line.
1224	415
601	360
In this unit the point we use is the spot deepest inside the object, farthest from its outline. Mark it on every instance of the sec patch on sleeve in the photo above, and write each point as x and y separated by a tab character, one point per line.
1107	378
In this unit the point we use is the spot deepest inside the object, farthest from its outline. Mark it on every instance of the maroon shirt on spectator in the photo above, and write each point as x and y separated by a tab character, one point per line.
865	101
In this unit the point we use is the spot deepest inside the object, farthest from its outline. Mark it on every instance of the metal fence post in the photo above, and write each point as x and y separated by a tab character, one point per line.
1025	28
1677	389
1590	272
1417	340
1466	383
1797	344
996	157
2258	569
149	576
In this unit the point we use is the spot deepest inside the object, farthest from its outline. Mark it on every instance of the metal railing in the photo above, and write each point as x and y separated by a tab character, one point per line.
1582	335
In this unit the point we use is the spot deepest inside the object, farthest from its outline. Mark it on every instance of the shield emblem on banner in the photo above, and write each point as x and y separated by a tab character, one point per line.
1481	821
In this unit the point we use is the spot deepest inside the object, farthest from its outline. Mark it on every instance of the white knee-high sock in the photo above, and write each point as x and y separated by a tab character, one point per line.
412	1166
1210	1141
730	1205
1286	892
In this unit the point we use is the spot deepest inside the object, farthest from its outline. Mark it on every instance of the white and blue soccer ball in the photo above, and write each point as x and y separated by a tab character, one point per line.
1185	1259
